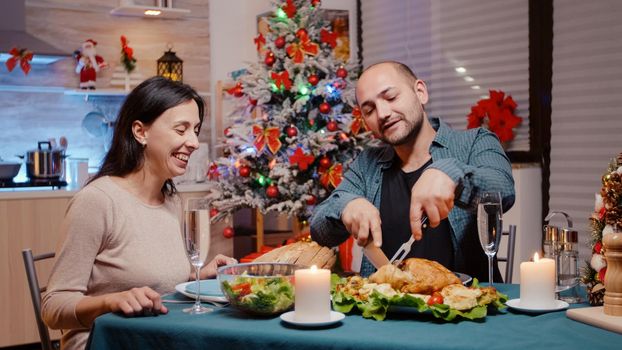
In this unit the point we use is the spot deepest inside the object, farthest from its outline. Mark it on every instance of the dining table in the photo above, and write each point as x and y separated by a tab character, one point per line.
228	328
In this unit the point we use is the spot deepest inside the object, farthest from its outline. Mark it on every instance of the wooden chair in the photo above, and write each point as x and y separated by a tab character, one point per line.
509	257
35	295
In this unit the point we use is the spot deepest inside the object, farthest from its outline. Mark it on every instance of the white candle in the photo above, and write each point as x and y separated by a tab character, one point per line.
537	283
312	302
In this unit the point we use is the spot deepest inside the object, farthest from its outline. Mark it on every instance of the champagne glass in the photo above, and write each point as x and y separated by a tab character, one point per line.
196	241
489	226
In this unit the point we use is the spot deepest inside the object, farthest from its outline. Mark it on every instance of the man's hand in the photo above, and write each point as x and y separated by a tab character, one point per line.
136	301
432	195
210	270
360	218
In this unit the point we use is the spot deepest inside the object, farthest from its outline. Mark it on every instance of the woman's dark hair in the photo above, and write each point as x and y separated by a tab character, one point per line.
145	103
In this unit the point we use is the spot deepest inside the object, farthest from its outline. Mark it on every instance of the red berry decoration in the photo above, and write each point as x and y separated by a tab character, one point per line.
272	191
269	59
245	171
313	79
301	32
228	232
332	126
342	73
324	108
279	42
291	131
213	212
325	162
312	200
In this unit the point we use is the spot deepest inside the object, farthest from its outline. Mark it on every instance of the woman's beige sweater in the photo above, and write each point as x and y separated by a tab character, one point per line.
112	242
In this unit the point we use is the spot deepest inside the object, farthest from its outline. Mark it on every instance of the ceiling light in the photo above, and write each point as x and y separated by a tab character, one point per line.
152	12
460	69
468	78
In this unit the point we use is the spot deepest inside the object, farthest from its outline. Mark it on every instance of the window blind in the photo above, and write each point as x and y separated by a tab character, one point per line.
586	118
487	38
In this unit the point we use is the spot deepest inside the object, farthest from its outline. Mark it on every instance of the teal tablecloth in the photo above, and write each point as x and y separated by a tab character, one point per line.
229	329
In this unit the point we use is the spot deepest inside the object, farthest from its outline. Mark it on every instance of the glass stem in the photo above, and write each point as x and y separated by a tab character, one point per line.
490	269
197	303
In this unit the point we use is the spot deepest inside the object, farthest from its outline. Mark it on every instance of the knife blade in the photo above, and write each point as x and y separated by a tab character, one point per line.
375	255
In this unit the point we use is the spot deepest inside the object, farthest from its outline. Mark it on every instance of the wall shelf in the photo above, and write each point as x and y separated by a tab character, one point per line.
70	91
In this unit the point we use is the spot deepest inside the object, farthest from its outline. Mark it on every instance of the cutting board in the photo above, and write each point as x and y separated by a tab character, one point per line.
596	317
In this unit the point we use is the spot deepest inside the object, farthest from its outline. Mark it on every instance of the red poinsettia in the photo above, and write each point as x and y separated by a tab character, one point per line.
495	113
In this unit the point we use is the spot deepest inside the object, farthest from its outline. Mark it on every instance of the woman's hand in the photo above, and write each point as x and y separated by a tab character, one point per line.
209	270
136	301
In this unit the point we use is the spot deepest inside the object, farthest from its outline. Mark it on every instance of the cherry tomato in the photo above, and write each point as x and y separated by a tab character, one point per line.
436	298
242	288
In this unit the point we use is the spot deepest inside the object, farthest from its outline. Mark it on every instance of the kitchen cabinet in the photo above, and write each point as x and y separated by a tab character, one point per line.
32	219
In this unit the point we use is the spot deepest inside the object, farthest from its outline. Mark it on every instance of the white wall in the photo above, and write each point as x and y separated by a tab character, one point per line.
232	27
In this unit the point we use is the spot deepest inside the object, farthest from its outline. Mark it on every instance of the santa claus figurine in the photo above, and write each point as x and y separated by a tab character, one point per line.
89	63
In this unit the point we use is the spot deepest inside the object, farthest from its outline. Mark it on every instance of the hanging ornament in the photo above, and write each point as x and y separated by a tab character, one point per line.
291	131
311	200
279	42
245	171
325	162
213	212
213	173
228	232
272	191
296	51
313	79
332	126
269	61
236	91
328	37
316	3
252	101
301	159
342	73
301	33
324	108
227	131
358	123
289	8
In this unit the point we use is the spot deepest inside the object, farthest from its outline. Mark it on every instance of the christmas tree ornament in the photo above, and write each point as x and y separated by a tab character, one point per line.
301	159
272	191
342	73
297	51
260	41
279	42
313	79
252	101
270	136
213	212
291	131
245	171
332	176
332	126
324	108
21	56
311	200
316	3
228	232
300	33
329	38
325	162
269	61
289	8
227	131
281	80
236	90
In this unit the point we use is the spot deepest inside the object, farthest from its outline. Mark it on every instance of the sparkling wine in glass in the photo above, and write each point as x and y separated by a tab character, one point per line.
489	226
197	241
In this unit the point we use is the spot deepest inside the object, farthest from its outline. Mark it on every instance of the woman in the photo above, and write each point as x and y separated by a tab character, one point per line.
122	242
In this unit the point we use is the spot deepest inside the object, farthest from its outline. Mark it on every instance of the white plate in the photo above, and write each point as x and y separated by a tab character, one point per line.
290	317
181	288
558	305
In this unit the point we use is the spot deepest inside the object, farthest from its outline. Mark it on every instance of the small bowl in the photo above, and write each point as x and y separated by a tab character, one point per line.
263	289
9	170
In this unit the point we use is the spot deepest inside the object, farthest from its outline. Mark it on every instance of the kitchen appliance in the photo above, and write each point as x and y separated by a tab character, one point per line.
8	170
53	183
45	162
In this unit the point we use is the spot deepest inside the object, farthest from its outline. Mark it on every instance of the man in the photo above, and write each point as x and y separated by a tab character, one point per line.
425	168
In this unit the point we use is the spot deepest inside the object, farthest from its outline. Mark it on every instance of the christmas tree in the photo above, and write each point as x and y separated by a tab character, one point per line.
296	126
607	218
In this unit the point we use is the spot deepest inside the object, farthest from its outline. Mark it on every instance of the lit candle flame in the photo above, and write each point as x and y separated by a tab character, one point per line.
536	257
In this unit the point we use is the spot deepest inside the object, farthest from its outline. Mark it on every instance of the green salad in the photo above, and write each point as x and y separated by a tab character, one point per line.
377	303
260	295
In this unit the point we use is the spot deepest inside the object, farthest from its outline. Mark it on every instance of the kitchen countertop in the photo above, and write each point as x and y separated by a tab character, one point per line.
48	192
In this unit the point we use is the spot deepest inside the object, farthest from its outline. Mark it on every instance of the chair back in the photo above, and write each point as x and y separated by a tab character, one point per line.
509	257
35	295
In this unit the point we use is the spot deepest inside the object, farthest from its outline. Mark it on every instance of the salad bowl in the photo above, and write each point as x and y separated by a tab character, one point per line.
264	289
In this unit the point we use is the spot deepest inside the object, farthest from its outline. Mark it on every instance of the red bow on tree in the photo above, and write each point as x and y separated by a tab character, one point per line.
268	135
332	176
297	51
358	123
301	159
213	173
328	37
282	79
259	41
290	9
22	56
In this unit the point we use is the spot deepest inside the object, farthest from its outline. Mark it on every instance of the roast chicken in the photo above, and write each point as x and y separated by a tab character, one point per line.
414	275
